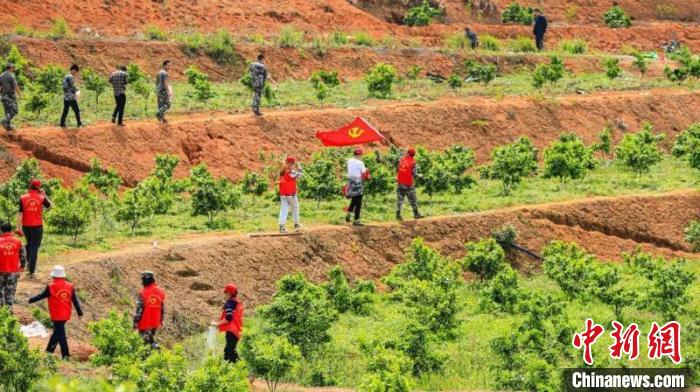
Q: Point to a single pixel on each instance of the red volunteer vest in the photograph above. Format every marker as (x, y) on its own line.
(60, 300)
(288, 184)
(153, 298)
(9, 253)
(405, 174)
(32, 208)
(235, 326)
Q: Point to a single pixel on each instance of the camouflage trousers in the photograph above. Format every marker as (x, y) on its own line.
(257, 93)
(149, 337)
(8, 286)
(163, 103)
(403, 191)
(11, 109)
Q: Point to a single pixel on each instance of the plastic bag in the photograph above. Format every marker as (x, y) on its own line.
(34, 329)
(211, 337)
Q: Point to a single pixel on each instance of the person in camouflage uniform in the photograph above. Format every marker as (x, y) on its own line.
(258, 77)
(9, 92)
(164, 92)
(406, 174)
(12, 262)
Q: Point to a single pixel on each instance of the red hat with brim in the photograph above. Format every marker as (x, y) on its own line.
(358, 151)
(411, 151)
(35, 184)
(291, 159)
(231, 289)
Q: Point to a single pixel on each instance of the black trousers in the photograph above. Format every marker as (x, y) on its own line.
(58, 338)
(539, 41)
(355, 206)
(76, 109)
(34, 235)
(230, 351)
(118, 113)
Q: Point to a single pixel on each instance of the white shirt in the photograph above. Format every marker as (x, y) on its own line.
(356, 168)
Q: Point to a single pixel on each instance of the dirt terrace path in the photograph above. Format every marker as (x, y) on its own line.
(231, 144)
(194, 270)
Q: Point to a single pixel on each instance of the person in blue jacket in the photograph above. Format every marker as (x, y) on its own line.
(539, 29)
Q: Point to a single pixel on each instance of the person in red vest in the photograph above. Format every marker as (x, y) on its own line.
(62, 298)
(12, 261)
(150, 309)
(231, 322)
(407, 172)
(30, 219)
(288, 193)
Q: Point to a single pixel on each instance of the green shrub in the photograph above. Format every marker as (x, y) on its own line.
(24, 31)
(573, 46)
(323, 81)
(511, 163)
(640, 62)
(345, 298)
(457, 42)
(49, 78)
(217, 375)
(254, 184)
(270, 357)
(319, 181)
(134, 207)
(413, 72)
(490, 43)
(570, 267)
(548, 73)
(338, 38)
(15, 57)
(616, 17)
(300, 311)
(290, 37)
(320, 45)
(107, 181)
(220, 46)
(154, 33)
(604, 143)
(434, 176)
(687, 146)
(209, 196)
(515, 13)
(480, 72)
(96, 83)
(421, 15)
(503, 292)
(612, 68)
(484, 258)
(59, 29)
(200, 83)
(387, 371)
(72, 210)
(522, 45)
(162, 370)
(115, 338)
(192, 43)
(380, 80)
(692, 235)
(455, 81)
(568, 158)
(363, 38)
(382, 179)
(20, 367)
(36, 99)
(639, 151)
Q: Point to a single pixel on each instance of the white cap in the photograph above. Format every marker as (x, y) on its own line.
(58, 272)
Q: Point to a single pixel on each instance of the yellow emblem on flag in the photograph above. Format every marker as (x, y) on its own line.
(355, 132)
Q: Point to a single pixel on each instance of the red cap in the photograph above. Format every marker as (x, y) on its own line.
(411, 151)
(291, 159)
(231, 289)
(358, 151)
(35, 183)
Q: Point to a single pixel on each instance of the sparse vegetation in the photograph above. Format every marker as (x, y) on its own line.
(573, 46)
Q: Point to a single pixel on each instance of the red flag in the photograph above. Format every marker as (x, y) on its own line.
(357, 132)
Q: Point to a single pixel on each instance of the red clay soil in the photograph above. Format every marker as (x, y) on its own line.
(230, 144)
(193, 272)
(283, 63)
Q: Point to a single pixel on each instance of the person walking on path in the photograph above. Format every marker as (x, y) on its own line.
(164, 92)
(231, 322)
(13, 258)
(31, 221)
(118, 79)
(288, 193)
(150, 309)
(62, 298)
(357, 174)
(70, 96)
(472, 37)
(539, 29)
(9, 93)
(405, 177)
(258, 78)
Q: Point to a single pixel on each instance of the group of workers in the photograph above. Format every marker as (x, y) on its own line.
(10, 92)
(539, 29)
(61, 294)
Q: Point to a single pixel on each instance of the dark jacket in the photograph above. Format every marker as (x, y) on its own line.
(540, 26)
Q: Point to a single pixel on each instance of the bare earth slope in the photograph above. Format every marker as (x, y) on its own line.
(194, 271)
(229, 144)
